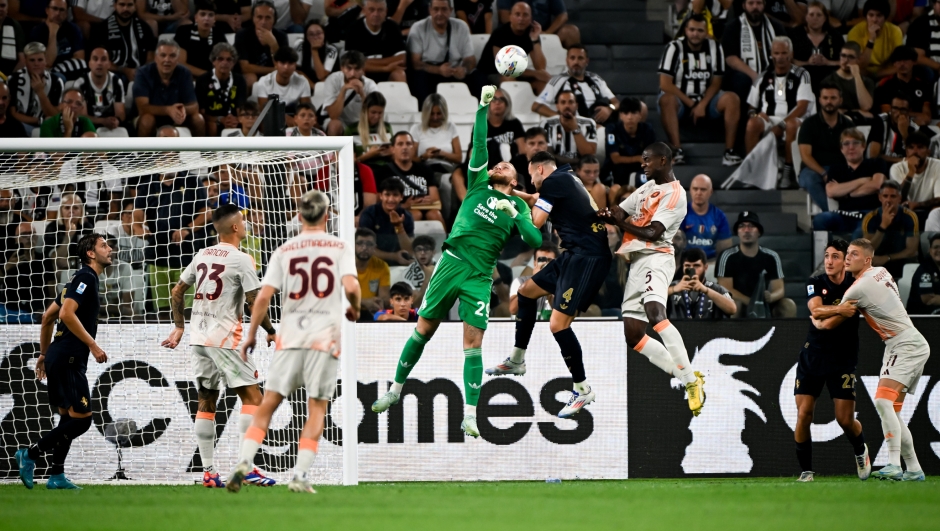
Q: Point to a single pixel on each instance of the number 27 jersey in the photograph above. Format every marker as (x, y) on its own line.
(308, 270)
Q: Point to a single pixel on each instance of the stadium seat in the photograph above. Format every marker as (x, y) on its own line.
(319, 95)
(458, 97)
(445, 189)
(904, 283)
(555, 54)
(35, 132)
(517, 271)
(294, 40)
(169, 36)
(107, 226)
(129, 99)
(522, 97)
(229, 131)
(601, 153)
(398, 97)
(184, 132)
(397, 274)
(433, 229)
(479, 44)
(119, 132)
(230, 38)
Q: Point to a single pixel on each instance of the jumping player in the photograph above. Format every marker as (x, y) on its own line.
(649, 218)
(65, 361)
(829, 358)
(876, 296)
(574, 278)
(487, 218)
(225, 279)
(314, 270)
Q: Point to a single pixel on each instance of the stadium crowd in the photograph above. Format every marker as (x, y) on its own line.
(834, 76)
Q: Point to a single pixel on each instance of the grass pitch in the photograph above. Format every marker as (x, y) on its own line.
(701, 504)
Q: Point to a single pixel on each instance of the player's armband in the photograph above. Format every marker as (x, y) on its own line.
(544, 205)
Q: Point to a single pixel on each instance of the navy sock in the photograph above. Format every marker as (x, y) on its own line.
(804, 454)
(65, 432)
(525, 320)
(571, 352)
(858, 443)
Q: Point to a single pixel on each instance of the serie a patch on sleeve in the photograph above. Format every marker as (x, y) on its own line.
(81, 288)
(810, 290)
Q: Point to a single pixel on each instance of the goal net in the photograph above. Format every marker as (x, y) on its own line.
(153, 199)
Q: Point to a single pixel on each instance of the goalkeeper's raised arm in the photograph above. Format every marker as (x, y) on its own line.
(479, 155)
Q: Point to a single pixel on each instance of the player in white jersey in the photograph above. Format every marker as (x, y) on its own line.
(225, 279)
(314, 270)
(649, 219)
(876, 296)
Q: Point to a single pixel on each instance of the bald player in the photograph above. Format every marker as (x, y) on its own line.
(876, 296)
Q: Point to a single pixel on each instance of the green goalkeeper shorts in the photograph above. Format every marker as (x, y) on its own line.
(455, 279)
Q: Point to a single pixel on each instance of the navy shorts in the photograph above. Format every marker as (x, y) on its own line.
(841, 384)
(68, 385)
(574, 279)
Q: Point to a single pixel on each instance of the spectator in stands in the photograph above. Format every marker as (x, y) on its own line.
(380, 40)
(436, 138)
(374, 275)
(345, 91)
(10, 127)
(905, 11)
(62, 38)
(690, 75)
(342, 15)
(857, 90)
(536, 139)
(371, 134)
(705, 225)
(422, 197)
(923, 36)
(11, 47)
(247, 116)
(258, 41)
(71, 121)
(164, 94)
(695, 297)
(163, 16)
(394, 226)
(419, 271)
(626, 141)
(747, 43)
(402, 305)
(779, 101)
(918, 175)
(131, 236)
(854, 183)
(406, 13)
(220, 91)
(25, 281)
(87, 13)
(543, 255)
(570, 136)
(821, 145)
(754, 274)
(589, 172)
(291, 15)
(10, 220)
(129, 40)
(595, 99)
(291, 87)
(790, 13)
(35, 91)
(877, 38)
(116, 289)
(318, 58)
(890, 130)
(551, 15)
(893, 230)
(103, 91)
(60, 238)
(305, 122)
(925, 286)
(905, 81)
(198, 39)
(523, 32)
(478, 14)
(440, 50)
(816, 45)
(233, 12)
(33, 202)
(504, 134)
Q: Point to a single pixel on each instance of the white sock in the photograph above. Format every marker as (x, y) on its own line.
(244, 422)
(582, 387)
(248, 451)
(469, 410)
(891, 426)
(676, 348)
(517, 356)
(907, 447)
(205, 439)
(396, 388)
(304, 460)
(657, 354)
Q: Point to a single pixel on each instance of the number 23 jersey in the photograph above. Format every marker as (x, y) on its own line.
(308, 270)
(222, 275)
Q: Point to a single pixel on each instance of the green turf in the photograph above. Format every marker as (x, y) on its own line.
(721, 504)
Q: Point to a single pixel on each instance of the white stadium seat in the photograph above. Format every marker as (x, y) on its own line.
(433, 229)
(319, 95)
(555, 54)
(522, 97)
(459, 99)
(230, 38)
(398, 98)
(397, 274)
(119, 132)
(294, 40)
(601, 153)
(479, 44)
(904, 284)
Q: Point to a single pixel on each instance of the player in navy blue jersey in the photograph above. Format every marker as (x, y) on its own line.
(828, 359)
(65, 361)
(574, 278)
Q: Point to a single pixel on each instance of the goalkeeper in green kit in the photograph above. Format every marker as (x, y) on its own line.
(487, 218)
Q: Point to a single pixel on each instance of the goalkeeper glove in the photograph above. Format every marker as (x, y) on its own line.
(506, 206)
(486, 96)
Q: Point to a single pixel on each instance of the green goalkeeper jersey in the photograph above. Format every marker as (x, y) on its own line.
(480, 231)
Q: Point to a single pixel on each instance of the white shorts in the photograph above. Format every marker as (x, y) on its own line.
(650, 276)
(214, 366)
(905, 357)
(314, 370)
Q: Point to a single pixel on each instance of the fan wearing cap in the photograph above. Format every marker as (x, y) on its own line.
(744, 268)
(905, 81)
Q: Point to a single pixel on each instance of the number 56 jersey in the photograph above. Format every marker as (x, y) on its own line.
(222, 275)
(308, 270)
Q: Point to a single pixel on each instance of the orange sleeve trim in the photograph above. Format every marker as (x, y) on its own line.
(255, 434)
(674, 199)
(205, 415)
(898, 406)
(639, 346)
(662, 325)
(887, 393)
(308, 444)
(249, 410)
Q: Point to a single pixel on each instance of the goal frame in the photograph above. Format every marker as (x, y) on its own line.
(343, 145)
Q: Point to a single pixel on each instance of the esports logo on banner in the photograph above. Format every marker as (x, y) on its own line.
(746, 426)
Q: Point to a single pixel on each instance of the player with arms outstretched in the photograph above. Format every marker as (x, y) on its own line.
(574, 278)
(829, 358)
(487, 218)
(876, 296)
(225, 278)
(649, 219)
(315, 271)
(65, 361)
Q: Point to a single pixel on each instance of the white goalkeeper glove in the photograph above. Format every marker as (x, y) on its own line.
(506, 206)
(486, 96)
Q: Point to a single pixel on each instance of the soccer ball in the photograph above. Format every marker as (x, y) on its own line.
(511, 61)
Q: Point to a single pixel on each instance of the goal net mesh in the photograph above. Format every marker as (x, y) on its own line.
(155, 208)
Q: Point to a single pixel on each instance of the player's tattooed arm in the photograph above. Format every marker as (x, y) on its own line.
(250, 303)
(178, 304)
